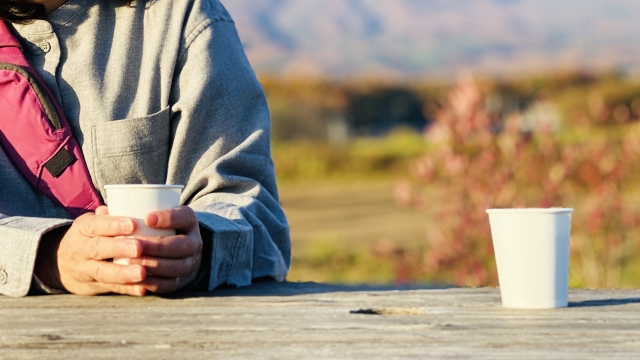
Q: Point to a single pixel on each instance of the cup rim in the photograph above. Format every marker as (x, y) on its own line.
(531, 210)
(142, 186)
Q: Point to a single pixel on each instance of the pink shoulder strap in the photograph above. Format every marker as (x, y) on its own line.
(6, 37)
(30, 115)
(10, 48)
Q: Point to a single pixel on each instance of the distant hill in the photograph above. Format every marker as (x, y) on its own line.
(410, 39)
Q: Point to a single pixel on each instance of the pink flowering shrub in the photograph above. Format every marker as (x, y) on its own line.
(477, 161)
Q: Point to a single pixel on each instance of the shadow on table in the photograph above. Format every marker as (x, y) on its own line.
(301, 288)
(604, 302)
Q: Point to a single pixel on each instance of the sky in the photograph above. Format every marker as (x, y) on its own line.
(410, 39)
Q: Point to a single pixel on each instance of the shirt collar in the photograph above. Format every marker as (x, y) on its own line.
(67, 12)
(58, 18)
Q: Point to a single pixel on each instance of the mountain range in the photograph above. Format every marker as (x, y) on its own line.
(416, 39)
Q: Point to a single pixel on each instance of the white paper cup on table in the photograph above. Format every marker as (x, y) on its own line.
(532, 254)
(137, 201)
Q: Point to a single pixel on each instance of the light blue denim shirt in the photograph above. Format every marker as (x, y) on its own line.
(156, 92)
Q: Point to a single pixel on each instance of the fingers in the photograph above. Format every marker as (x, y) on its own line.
(178, 246)
(90, 289)
(167, 284)
(124, 289)
(98, 277)
(164, 267)
(108, 273)
(161, 285)
(102, 247)
(95, 237)
(102, 288)
(92, 239)
(102, 210)
(91, 225)
(182, 219)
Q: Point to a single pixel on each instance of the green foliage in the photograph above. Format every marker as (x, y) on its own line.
(306, 160)
(584, 156)
(332, 260)
(476, 167)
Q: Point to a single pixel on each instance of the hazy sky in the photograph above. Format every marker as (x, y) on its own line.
(437, 38)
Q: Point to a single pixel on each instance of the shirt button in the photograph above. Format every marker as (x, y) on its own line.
(45, 46)
(3, 276)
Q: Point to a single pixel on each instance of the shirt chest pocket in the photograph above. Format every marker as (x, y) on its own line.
(131, 151)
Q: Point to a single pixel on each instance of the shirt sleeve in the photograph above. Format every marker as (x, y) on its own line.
(221, 153)
(19, 239)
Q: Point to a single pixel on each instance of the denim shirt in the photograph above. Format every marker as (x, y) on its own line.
(155, 92)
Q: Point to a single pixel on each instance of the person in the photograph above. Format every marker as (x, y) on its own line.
(156, 91)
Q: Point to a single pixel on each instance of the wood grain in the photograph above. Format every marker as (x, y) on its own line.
(309, 320)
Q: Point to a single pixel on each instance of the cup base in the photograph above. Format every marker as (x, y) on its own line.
(557, 305)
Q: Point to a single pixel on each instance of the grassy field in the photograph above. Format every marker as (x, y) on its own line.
(346, 223)
(570, 143)
(341, 231)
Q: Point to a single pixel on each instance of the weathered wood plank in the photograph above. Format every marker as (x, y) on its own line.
(306, 320)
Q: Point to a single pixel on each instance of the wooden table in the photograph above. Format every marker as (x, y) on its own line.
(308, 320)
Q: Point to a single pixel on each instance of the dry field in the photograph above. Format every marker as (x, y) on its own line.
(332, 220)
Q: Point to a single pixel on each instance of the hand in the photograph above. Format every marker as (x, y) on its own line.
(75, 259)
(175, 260)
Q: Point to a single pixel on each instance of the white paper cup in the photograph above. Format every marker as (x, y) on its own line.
(137, 201)
(532, 254)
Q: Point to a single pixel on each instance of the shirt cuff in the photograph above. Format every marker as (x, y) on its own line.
(201, 283)
(40, 288)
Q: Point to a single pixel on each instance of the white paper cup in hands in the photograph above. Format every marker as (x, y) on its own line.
(137, 201)
(532, 254)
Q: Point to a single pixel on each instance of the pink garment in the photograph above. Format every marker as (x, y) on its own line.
(35, 134)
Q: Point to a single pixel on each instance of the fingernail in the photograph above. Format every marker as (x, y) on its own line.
(135, 275)
(132, 249)
(126, 226)
(152, 220)
(136, 261)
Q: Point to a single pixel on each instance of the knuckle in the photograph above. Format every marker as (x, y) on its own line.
(183, 215)
(99, 274)
(120, 289)
(176, 215)
(188, 248)
(187, 264)
(122, 248)
(87, 224)
(198, 246)
(167, 286)
(191, 215)
(84, 217)
(121, 274)
(191, 242)
(171, 244)
(184, 244)
(95, 247)
(119, 225)
(173, 285)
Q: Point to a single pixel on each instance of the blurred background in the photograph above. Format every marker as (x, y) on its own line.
(395, 124)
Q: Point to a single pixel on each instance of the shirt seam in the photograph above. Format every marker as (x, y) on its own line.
(55, 25)
(234, 257)
(199, 29)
